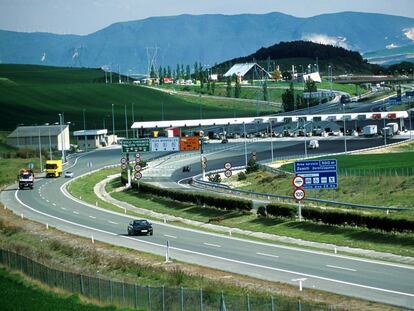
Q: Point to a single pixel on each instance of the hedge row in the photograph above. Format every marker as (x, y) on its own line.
(341, 218)
(373, 221)
(281, 210)
(227, 203)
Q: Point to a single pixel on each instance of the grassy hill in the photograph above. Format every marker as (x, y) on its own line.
(32, 94)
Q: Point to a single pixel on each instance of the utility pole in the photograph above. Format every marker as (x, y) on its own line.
(245, 144)
(50, 145)
(40, 153)
(61, 133)
(126, 122)
(84, 131)
(113, 121)
(343, 106)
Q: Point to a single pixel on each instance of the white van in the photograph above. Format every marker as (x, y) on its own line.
(314, 144)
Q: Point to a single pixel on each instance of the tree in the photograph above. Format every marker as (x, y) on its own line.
(188, 72)
(208, 86)
(213, 87)
(288, 99)
(310, 86)
(169, 72)
(252, 166)
(196, 70)
(161, 75)
(237, 89)
(214, 178)
(287, 75)
(277, 75)
(152, 72)
(178, 72)
(228, 87)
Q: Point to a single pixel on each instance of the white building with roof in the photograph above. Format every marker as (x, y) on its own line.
(248, 71)
(91, 139)
(44, 137)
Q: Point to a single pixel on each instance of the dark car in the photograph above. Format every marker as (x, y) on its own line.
(187, 168)
(140, 226)
(225, 141)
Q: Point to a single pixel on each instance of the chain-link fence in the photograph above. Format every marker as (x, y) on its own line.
(125, 294)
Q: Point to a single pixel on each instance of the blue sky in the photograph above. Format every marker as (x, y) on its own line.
(87, 16)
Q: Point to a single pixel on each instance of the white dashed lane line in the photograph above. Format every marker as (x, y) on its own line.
(54, 204)
(170, 236)
(214, 245)
(75, 212)
(112, 222)
(267, 255)
(341, 268)
(64, 208)
(93, 217)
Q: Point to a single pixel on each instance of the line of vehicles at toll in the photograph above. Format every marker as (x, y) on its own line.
(390, 129)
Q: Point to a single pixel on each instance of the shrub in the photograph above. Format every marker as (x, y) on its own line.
(241, 176)
(281, 210)
(252, 166)
(261, 211)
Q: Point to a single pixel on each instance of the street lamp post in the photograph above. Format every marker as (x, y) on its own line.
(330, 76)
(245, 144)
(63, 135)
(113, 121)
(271, 139)
(343, 106)
(126, 122)
(84, 131)
(40, 153)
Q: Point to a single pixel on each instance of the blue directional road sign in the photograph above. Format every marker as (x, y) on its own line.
(318, 174)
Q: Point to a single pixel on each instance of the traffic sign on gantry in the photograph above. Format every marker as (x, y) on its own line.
(135, 145)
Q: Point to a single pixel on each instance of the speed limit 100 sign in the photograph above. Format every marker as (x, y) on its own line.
(299, 194)
(298, 181)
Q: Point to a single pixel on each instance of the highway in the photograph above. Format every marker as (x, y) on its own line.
(368, 279)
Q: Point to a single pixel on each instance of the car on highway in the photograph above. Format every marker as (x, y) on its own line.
(68, 174)
(224, 141)
(186, 168)
(140, 226)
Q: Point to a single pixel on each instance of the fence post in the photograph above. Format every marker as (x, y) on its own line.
(149, 297)
(201, 300)
(181, 299)
(272, 303)
(135, 296)
(248, 302)
(111, 291)
(99, 289)
(81, 283)
(163, 298)
(123, 293)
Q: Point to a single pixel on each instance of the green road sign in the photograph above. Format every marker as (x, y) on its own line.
(135, 145)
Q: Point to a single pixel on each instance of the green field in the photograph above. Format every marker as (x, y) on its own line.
(18, 294)
(37, 94)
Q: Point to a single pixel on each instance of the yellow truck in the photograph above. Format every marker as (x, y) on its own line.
(53, 168)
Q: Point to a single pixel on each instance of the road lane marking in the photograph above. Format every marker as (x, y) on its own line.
(267, 255)
(214, 245)
(93, 217)
(54, 204)
(212, 256)
(342, 268)
(47, 201)
(112, 222)
(170, 236)
(75, 212)
(63, 208)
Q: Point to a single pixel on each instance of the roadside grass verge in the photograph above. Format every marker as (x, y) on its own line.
(18, 293)
(9, 169)
(400, 244)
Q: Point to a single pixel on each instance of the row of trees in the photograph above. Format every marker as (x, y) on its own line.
(180, 72)
(292, 101)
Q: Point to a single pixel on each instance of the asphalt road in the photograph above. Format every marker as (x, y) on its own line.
(368, 279)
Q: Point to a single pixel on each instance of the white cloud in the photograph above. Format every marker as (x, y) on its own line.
(391, 46)
(409, 33)
(324, 39)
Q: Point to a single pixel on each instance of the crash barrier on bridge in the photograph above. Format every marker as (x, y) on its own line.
(197, 198)
(386, 223)
(128, 295)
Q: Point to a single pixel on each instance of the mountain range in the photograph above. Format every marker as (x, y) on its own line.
(209, 39)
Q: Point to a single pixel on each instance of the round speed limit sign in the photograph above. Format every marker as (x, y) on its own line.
(227, 165)
(299, 194)
(124, 166)
(227, 173)
(298, 181)
(138, 175)
(137, 167)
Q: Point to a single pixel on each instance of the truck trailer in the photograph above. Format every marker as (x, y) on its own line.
(370, 130)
